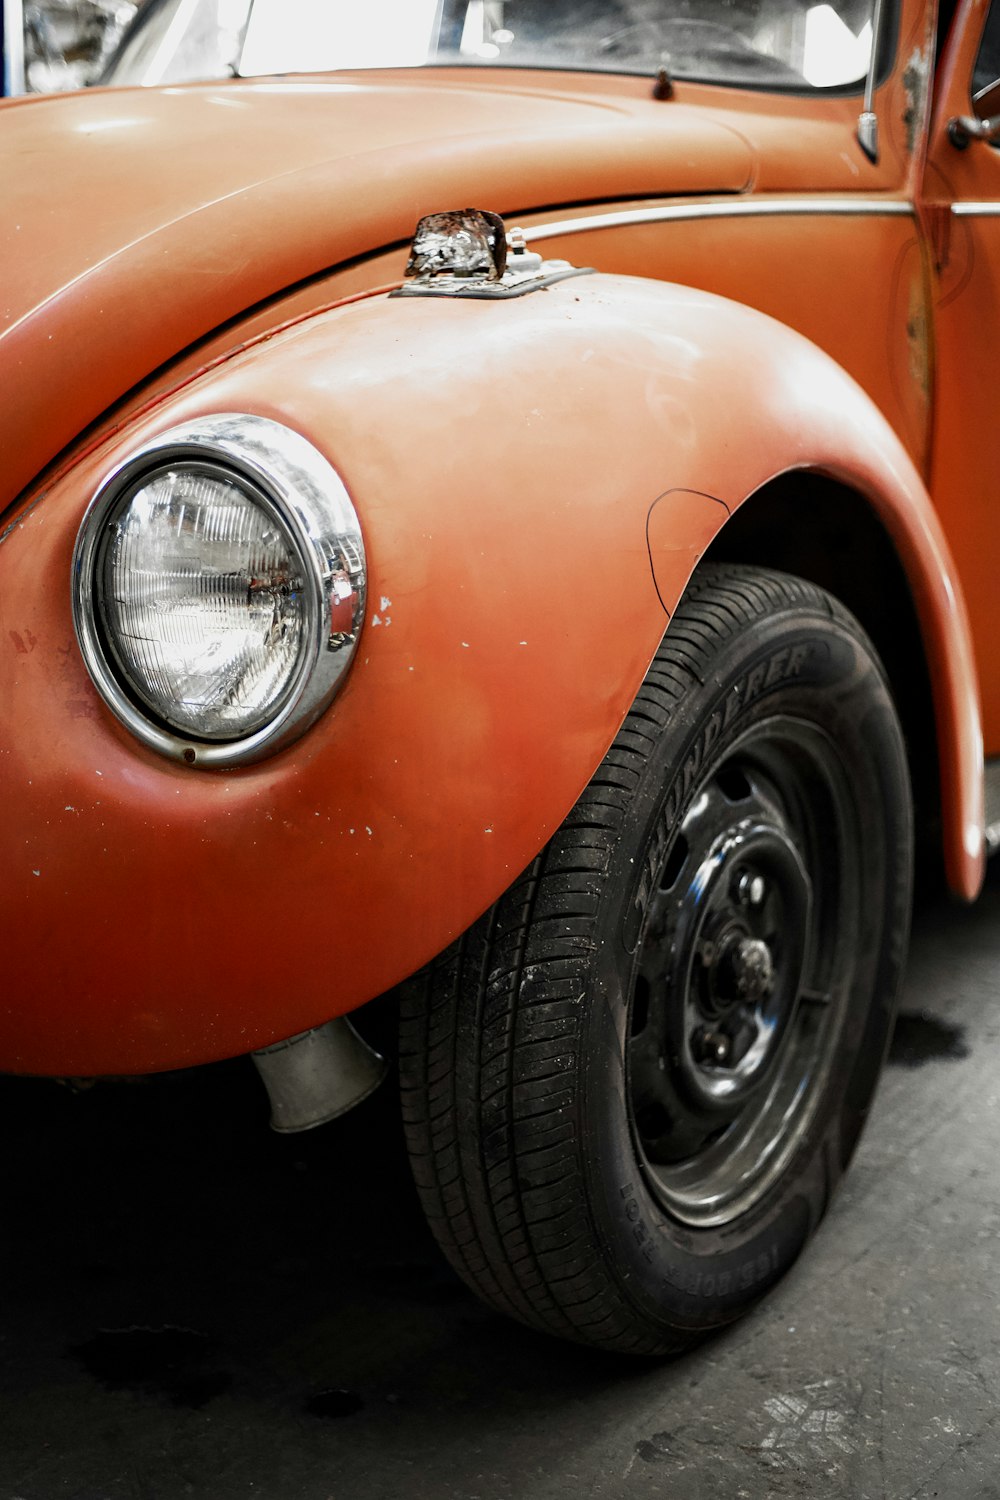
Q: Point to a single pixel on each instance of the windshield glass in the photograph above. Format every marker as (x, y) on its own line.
(765, 43)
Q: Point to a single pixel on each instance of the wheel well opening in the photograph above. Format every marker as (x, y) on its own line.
(824, 531)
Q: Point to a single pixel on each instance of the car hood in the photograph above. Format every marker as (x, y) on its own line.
(136, 222)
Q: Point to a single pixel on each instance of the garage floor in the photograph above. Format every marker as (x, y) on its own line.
(193, 1307)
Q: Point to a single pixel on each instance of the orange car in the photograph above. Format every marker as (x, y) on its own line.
(564, 620)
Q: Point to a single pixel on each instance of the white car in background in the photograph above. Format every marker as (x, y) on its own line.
(52, 45)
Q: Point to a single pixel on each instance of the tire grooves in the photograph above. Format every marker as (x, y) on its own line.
(486, 1208)
(529, 1307)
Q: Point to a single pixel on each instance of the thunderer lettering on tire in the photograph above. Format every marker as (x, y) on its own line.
(630, 1088)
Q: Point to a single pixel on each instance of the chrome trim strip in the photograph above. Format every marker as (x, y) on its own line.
(724, 209)
(976, 210)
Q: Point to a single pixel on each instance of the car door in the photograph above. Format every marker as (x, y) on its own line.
(961, 205)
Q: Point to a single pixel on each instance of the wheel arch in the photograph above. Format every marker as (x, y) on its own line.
(829, 532)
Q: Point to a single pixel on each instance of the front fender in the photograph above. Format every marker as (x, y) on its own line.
(513, 466)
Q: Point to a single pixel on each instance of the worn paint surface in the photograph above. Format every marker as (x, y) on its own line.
(404, 790)
(479, 445)
(916, 82)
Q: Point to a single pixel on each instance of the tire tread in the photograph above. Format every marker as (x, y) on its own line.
(490, 1030)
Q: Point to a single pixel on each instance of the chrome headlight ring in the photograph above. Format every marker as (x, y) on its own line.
(260, 476)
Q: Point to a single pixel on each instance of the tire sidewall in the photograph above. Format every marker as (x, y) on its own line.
(803, 665)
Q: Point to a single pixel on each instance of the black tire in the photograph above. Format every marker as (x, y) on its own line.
(628, 1092)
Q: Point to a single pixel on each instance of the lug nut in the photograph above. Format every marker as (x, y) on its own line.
(750, 889)
(711, 1047)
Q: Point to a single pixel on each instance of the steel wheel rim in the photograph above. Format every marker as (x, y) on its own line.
(739, 980)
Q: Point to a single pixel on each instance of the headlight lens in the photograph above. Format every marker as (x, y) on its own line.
(219, 588)
(204, 602)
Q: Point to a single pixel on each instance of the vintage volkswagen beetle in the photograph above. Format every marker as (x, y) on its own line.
(556, 647)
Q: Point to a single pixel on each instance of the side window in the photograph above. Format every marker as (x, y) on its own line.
(986, 77)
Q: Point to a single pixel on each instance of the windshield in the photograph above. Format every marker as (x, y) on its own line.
(767, 43)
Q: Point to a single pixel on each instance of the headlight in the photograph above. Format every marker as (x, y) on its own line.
(219, 588)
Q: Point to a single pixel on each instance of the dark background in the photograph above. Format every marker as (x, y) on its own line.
(193, 1306)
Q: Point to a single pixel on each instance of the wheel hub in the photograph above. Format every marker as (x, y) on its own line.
(737, 953)
(725, 953)
(744, 971)
(737, 977)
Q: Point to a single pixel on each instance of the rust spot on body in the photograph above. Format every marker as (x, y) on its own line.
(918, 337)
(915, 81)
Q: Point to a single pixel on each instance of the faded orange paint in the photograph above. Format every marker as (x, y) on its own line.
(474, 439)
(467, 728)
(965, 474)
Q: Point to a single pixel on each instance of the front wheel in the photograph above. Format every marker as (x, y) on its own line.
(631, 1087)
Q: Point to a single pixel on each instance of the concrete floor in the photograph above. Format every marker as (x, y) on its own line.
(193, 1307)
